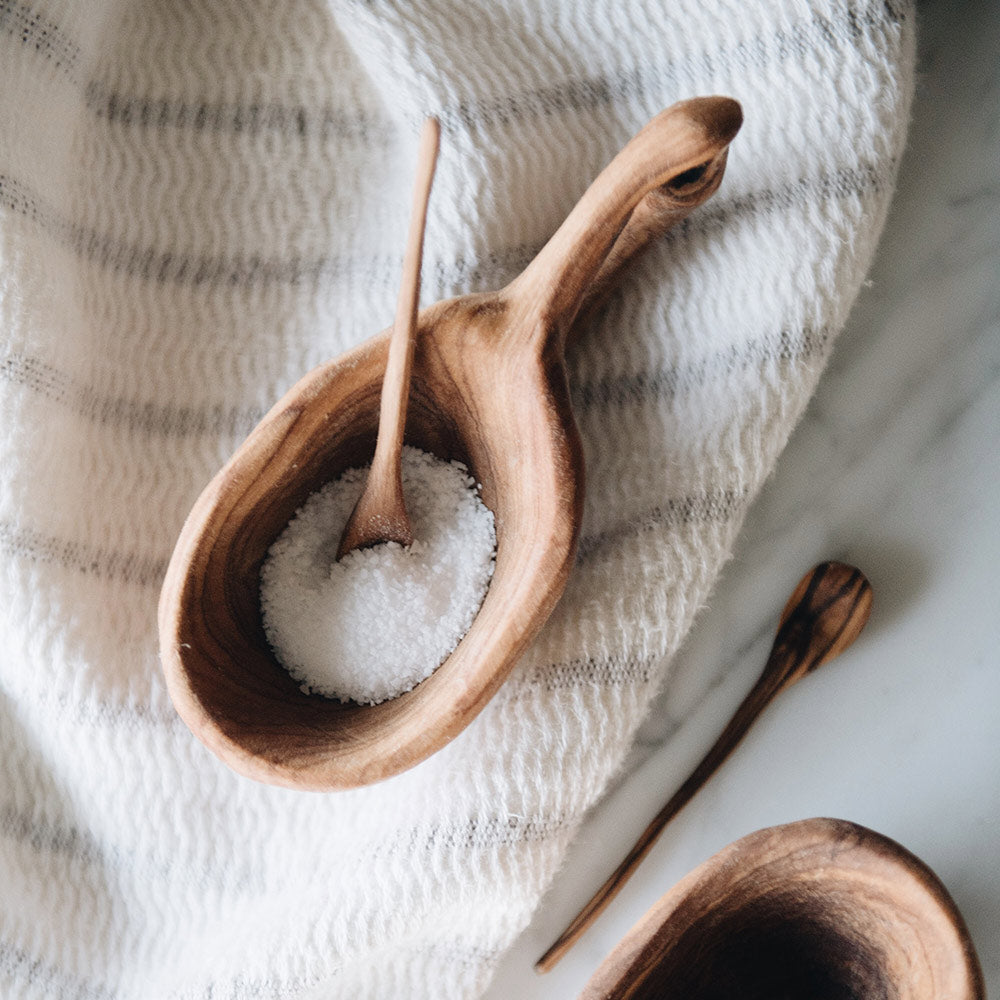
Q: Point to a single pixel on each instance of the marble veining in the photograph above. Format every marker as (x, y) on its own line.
(896, 468)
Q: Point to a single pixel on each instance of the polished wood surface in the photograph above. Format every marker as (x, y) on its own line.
(488, 387)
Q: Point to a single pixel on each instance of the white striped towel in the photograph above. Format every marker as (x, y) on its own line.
(200, 201)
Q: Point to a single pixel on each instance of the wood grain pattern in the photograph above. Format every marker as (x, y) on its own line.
(821, 909)
(489, 388)
(825, 614)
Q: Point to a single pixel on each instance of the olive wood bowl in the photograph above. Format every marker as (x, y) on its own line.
(821, 909)
(488, 388)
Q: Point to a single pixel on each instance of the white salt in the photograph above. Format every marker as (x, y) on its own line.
(379, 621)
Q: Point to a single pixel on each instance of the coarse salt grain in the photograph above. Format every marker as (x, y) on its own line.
(382, 619)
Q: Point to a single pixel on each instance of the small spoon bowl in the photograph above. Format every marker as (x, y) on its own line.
(489, 389)
(821, 909)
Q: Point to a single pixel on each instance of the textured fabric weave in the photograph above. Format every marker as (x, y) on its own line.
(201, 200)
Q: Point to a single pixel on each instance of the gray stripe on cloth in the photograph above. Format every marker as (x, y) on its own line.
(46, 837)
(166, 266)
(20, 542)
(145, 417)
(629, 388)
(713, 506)
(169, 420)
(614, 671)
(23, 969)
(247, 270)
(484, 832)
(39, 32)
(798, 39)
(254, 118)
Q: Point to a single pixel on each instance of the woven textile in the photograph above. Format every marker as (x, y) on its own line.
(200, 200)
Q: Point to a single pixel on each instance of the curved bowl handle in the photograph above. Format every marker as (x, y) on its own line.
(662, 209)
(672, 165)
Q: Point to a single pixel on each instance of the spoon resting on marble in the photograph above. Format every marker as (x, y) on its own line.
(380, 513)
(824, 615)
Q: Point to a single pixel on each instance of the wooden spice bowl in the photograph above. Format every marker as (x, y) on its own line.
(821, 909)
(489, 388)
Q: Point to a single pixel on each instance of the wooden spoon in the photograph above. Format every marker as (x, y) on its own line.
(824, 615)
(488, 388)
(380, 513)
(821, 909)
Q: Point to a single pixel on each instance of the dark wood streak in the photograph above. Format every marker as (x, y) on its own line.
(835, 595)
(824, 615)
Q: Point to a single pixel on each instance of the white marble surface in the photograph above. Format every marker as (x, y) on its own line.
(895, 468)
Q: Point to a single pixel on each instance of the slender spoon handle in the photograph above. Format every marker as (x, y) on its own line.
(380, 514)
(832, 590)
(392, 411)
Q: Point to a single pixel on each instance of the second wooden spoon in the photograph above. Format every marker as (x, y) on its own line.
(824, 615)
